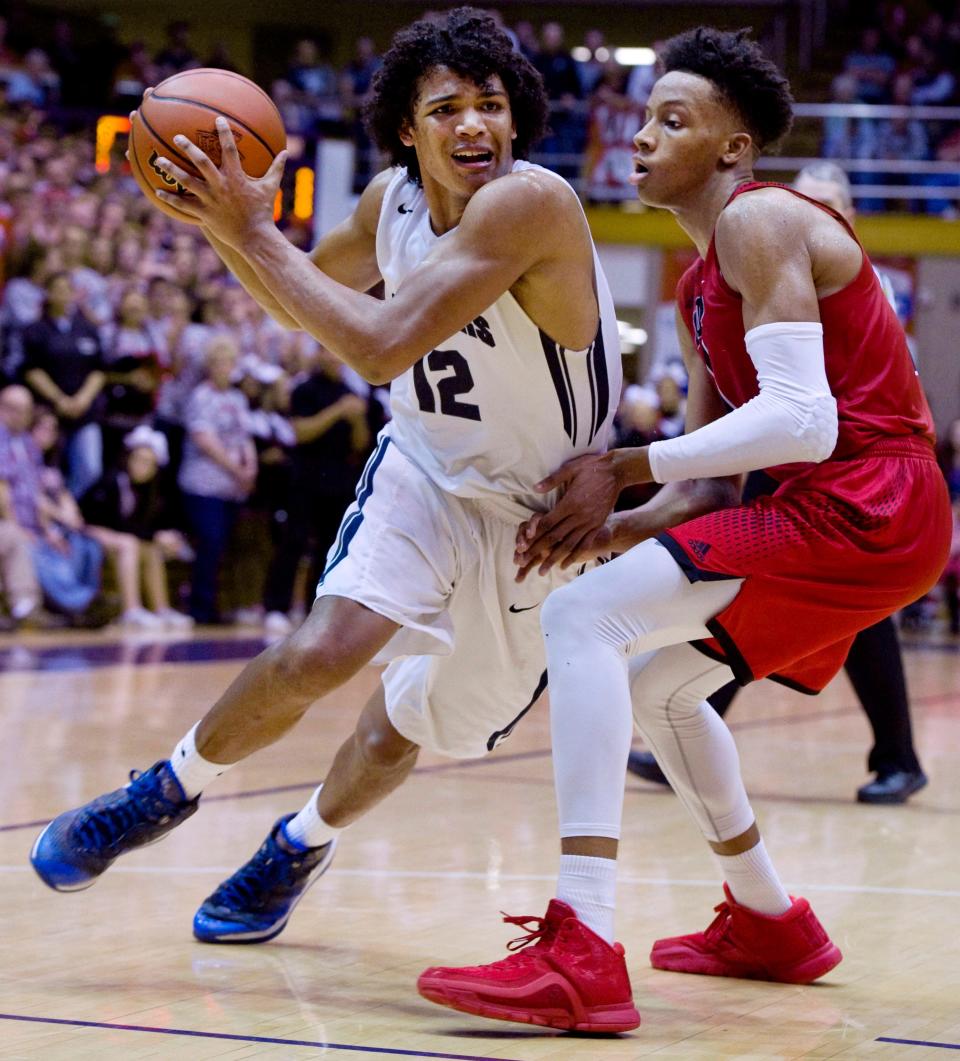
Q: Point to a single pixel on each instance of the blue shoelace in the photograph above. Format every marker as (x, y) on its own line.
(143, 800)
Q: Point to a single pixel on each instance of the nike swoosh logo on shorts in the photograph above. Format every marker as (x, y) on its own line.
(404, 209)
(516, 610)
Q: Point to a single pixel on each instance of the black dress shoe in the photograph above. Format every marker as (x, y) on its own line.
(644, 765)
(892, 788)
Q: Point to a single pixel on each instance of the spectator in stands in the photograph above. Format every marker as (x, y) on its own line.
(590, 59)
(178, 54)
(66, 561)
(900, 139)
(333, 436)
(18, 579)
(315, 84)
(934, 84)
(126, 514)
(527, 42)
(872, 66)
(845, 137)
(951, 575)
(218, 470)
(355, 82)
(63, 364)
(135, 72)
(567, 124)
(9, 59)
(613, 121)
(35, 84)
(133, 357)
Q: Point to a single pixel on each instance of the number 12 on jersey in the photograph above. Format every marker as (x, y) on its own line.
(450, 386)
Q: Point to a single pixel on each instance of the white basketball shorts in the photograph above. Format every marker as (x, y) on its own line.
(469, 661)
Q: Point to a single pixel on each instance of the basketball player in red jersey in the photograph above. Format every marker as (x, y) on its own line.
(797, 366)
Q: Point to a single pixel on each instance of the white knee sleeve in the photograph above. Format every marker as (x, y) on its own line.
(640, 601)
(691, 742)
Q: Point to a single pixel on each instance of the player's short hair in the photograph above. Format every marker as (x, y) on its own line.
(743, 76)
(825, 170)
(470, 43)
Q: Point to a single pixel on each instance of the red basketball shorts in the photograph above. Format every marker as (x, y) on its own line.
(836, 549)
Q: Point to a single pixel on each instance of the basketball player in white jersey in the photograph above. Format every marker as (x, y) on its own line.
(499, 338)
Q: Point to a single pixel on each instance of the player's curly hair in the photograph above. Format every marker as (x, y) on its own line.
(742, 74)
(471, 44)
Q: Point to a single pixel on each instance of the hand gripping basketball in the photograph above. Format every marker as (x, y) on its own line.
(188, 103)
(224, 200)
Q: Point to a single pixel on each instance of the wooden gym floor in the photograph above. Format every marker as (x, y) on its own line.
(113, 972)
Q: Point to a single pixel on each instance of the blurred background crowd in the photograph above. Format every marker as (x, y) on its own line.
(170, 455)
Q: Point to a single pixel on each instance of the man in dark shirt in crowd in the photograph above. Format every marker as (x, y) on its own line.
(63, 365)
(334, 431)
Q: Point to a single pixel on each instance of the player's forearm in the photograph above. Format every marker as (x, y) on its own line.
(251, 282)
(674, 504)
(351, 325)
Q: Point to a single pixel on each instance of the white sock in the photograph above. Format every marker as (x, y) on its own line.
(191, 769)
(308, 829)
(589, 885)
(754, 882)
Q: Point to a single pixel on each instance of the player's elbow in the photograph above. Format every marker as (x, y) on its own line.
(817, 437)
(382, 363)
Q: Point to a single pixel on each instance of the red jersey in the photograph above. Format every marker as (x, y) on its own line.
(840, 544)
(869, 368)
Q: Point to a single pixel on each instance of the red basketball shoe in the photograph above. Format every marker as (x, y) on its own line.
(792, 948)
(568, 977)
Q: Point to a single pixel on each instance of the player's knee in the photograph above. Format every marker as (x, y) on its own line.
(305, 670)
(382, 747)
(563, 612)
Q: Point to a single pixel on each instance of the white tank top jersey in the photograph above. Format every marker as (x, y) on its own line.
(498, 406)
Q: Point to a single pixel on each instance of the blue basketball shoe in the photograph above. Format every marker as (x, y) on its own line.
(255, 904)
(76, 847)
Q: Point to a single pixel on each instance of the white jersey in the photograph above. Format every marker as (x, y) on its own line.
(498, 406)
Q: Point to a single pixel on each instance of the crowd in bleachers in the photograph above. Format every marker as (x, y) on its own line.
(903, 60)
(146, 401)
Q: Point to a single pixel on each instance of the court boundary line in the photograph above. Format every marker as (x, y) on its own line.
(229, 1036)
(917, 1042)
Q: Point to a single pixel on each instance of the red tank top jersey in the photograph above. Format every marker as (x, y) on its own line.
(841, 544)
(869, 368)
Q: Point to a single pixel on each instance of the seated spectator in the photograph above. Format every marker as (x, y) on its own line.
(18, 579)
(218, 470)
(63, 364)
(125, 513)
(66, 561)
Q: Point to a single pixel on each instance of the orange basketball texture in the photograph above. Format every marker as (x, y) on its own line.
(189, 103)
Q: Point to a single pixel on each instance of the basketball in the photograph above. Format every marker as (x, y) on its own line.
(189, 103)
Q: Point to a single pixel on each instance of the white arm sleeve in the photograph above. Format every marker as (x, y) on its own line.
(793, 418)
